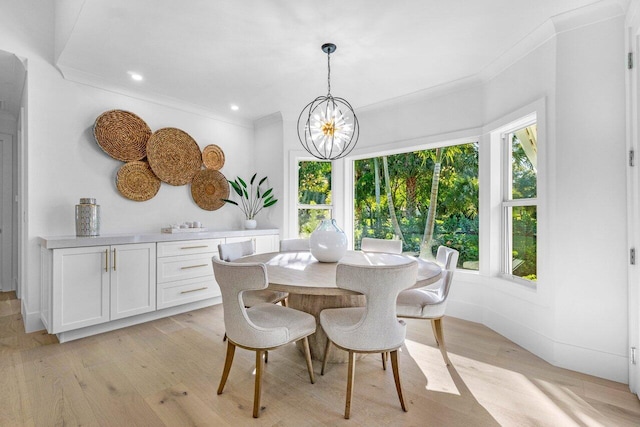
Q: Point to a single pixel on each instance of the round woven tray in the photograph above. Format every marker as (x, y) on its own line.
(136, 181)
(173, 156)
(122, 135)
(213, 157)
(208, 188)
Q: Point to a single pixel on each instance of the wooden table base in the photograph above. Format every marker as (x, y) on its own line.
(314, 304)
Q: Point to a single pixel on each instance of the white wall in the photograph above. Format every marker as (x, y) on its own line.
(65, 163)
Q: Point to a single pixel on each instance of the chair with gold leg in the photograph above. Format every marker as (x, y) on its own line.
(373, 328)
(261, 327)
(430, 302)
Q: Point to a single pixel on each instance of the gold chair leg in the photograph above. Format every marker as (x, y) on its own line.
(396, 377)
(284, 303)
(384, 360)
(258, 387)
(231, 349)
(350, 379)
(436, 324)
(307, 356)
(326, 355)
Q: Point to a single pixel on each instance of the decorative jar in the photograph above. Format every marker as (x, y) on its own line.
(87, 218)
(328, 242)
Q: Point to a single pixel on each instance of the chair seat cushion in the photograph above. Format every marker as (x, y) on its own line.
(261, 296)
(337, 323)
(299, 323)
(420, 303)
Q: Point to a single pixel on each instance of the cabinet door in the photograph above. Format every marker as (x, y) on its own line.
(133, 279)
(80, 291)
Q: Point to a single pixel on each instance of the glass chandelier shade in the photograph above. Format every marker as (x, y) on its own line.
(328, 127)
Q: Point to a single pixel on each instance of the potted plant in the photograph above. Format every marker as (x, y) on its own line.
(252, 198)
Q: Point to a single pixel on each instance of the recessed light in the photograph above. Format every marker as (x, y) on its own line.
(135, 76)
(235, 107)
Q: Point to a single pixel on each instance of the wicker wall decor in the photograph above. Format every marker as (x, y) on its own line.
(173, 156)
(122, 135)
(136, 181)
(208, 188)
(213, 157)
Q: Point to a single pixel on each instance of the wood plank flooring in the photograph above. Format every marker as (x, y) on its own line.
(166, 372)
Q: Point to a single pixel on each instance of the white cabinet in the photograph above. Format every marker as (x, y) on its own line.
(262, 244)
(92, 285)
(185, 271)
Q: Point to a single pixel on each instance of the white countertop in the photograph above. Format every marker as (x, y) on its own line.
(57, 242)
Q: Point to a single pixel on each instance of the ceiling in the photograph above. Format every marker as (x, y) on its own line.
(265, 56)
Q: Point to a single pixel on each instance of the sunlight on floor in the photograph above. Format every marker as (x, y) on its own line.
(513, 391)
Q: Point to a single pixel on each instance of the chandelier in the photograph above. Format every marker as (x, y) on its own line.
(328, 127)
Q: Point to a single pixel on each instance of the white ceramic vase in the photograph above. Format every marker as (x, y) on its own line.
(328, 242)
(250, 224)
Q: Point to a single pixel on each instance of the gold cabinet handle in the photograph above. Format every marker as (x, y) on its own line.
(194, 290)
(194, 266)
(106, 260)
(114, 259)
(194, 247)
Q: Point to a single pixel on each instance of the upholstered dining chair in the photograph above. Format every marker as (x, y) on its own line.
(373, 328)
(261, 327)
(231, 252)
(294, 245)
(430, 302)
(369, 244)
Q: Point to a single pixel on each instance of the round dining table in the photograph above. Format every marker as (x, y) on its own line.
(312, 285)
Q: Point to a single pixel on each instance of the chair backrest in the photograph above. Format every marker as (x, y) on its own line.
(232, 251)
(369, 244)
(234, 279)
(447, 257)
(379, 328)
(443, 286)
(294, 245)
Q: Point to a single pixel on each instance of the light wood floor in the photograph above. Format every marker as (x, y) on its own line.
(165, 373)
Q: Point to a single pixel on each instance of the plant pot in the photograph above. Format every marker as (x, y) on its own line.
(250, 224)
(328, 242)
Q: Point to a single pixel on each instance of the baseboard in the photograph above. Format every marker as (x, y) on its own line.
(588, 361)
(135, 320)
(32, 321)
(593, 362)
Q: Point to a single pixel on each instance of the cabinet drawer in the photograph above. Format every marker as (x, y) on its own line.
(184, 267)
(188, 247)
(185, 291)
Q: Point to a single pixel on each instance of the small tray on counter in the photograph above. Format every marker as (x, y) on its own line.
(170, 230)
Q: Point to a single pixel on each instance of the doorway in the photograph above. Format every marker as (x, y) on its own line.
(7, 251)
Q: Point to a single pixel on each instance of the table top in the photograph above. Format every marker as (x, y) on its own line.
(301, 273)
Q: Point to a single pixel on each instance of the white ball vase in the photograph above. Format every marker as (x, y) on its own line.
(250, 224)
(328, 242)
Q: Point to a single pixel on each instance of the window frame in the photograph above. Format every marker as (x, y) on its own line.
(294, 229)
(507, 202)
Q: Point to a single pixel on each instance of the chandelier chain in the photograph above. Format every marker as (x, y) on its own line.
(329, 72)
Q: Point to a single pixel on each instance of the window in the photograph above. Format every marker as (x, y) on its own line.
(425, 198)
(520, 206)
(314, 195)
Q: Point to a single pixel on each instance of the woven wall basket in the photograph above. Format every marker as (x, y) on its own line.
(173, 156)
(213, 157)
(122, 135)
(136, 181)
(208, 188)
